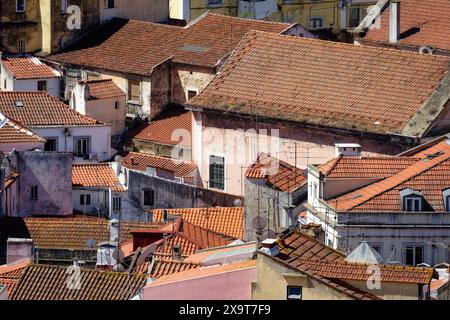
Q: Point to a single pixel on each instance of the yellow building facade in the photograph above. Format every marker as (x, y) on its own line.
(225, 7)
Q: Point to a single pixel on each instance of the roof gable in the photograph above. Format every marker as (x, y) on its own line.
(28, 67)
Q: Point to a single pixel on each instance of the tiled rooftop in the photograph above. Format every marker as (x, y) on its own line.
(12, 132)
(430, 175)
(163, 268)
(37, 108)
(44, 282)
(141, 161)
(98, 175)
(28, 67)
(276, 173)
(224, 220)
(103, 89)
(172, 127)
(10, 273)
(325, 83)
(422, 23)
(145, 45)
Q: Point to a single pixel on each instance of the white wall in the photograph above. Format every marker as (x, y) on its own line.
(21, 146)
(98, 198)
(53, 85)
(5, 75)
(100, 137)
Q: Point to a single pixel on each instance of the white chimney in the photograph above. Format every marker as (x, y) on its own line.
(114, 230)
(270, 247)
(347, 149)
(394, 22)
(18, 249)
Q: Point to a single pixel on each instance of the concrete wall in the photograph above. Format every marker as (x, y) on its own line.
(21, 146)
(234, 285)
(272, 285)
(390, 290)
(52, 173)
(145, 10)
(186, 78)
(179, 9)
(172, 194)
(160, 89)
(157, 149)
(99, 201)
(100, 137)
(199, 7)
(240, 139)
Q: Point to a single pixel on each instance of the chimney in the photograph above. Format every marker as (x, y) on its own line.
(394, 22)
(114, 230)
(18, 249)
(132, 161)
(347, 149)
(269, 246)
(107, 254)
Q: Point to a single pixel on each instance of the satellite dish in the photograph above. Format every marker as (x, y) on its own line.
(118, 159)
(237, 202)
(146, 253)
(118, 255)
(259, 223)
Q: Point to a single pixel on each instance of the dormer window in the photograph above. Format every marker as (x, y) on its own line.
(412, 201)
(446, 197)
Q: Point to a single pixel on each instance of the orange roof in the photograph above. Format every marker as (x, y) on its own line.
(172, 127)
(140, 161)
(99, 175)
(103, 89)
(204, 272)
(430, 175)
(325, 83)
(388, 273)
(28, 67)
(422, 23)
(43, 282)
(10, 273)
(365, 167)
(12, 132)
(225, 220)
(145, 45)
(37, 108)
(277, 173)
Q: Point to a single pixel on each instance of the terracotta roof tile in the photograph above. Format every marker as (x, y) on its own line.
(324, 83)
(12, 132)
(422, 23)
(172, 127)
(141, 161)
(103, 89)
(40, 109)
(225, 220)
(99, 175)
(163, 268)
(10, 273)
(145, 45)
(43, 282)
(28, 67)
(429, 174)
(277, 173)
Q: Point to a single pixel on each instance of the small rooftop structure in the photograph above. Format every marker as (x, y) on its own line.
(364, 254)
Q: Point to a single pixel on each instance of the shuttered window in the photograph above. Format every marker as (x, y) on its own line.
(134, 90)
(217, 172)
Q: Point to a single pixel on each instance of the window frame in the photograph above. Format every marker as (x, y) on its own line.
(416, 203)
(289, 287)
(117, 105)
(64, 6)
(34, 192)
(116, 203)
(19, 47)
(129, 86)
(24, 6)
(85, 199)
(188, 93)
(414, 247)
(47, 140)
(214, 3)
(75, 146)
(40, 82)
(152, 197)
(311, 19)
(212, 176)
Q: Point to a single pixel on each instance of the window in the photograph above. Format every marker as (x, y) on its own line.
(51, 144)
(4, 84)
(294, 293)
(20, 5)
(215, 2)
(354, 17)
(20, 46)
(117, 204)
(81, 147)
(191, 94)
(446, 197)
(34, 193)
(85, 199)
(109, 4)
(63, 6)
(315, 23)
(217, 172)
(116, 105)
(413, 255)
(314, 191)
(412, 204)
(149, 197)
(42, 85)
(134, 90)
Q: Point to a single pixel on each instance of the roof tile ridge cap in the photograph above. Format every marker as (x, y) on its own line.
(333, 165)
(388, 179)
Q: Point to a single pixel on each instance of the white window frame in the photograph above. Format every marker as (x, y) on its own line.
(316, 18)
(294, 297)
(413, 202)
(224, 171)
(414, 245)
(24, 6)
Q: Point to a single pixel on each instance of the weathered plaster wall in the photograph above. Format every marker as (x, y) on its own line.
(145, 10)
(390, 290)
(186, 78)
(52, 173)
